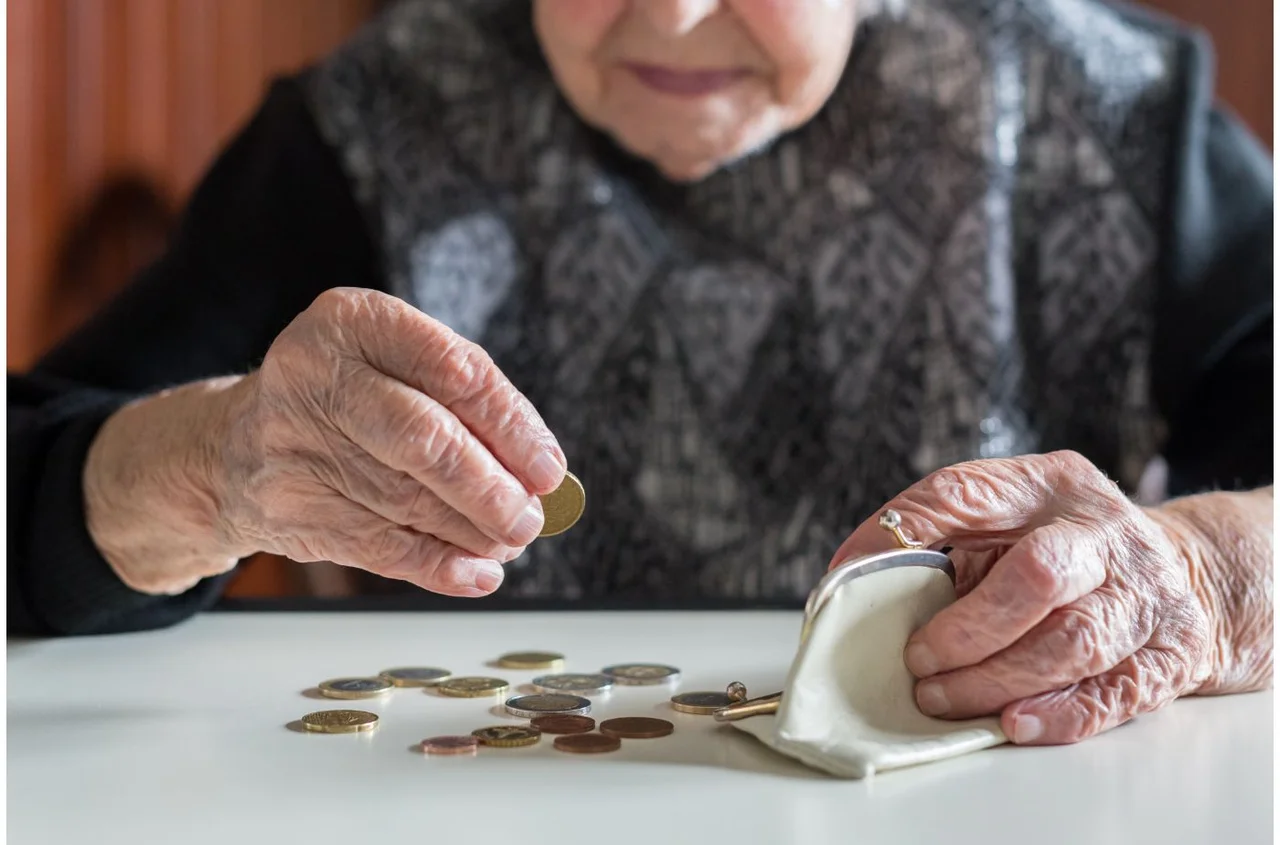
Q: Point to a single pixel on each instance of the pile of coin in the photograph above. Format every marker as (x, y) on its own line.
(559, 706)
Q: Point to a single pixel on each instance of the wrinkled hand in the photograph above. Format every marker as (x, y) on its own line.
(1076, 610)
(373, 436)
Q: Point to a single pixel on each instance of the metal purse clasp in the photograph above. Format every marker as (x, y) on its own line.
(910, 553)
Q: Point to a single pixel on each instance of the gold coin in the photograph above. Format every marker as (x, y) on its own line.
(562, 506)
(340, 721)
(507, 736)
(355, 687)
(700, 703)
(472, 687)
(531, 660)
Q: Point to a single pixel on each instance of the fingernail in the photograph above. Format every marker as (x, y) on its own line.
(920, 660)
(488, 576)
(529, 525)
(545, 471)
(1027, 729)
(932, 700)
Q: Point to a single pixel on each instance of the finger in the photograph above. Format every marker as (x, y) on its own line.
(1142, 682)
(410, 346)
(399, 498)
(1080, 641)
(409, 431)
(1051, 567)
(981, 504)
(345, 533)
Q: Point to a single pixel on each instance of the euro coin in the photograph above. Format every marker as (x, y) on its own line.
(450, 745)
(507, 736)
(355, 687)
(700, 703)
(587, 743)
(531, 660)
(340, 721)
(528, 706)
(636, 727)
(642, 674)
(563, 724)
(573, 684)
(472, 687)
(562, 507)
(415, 676)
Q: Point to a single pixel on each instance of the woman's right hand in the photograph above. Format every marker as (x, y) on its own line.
(373, 436)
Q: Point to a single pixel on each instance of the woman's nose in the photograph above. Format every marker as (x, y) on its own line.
(676, 17)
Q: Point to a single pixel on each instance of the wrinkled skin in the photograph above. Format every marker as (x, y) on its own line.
(1076, 608)
(373, 436)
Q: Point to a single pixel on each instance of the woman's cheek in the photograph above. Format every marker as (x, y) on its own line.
(579, 24)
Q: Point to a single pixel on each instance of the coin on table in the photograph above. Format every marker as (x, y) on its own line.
(636, 727)
(562, 507)
(563, 724)
(531, 660)
(450, 745)
(700, 703)
(415, 676)
(355, 687)
(340, 721)
(587, 743)
(507, 736)
(575, 684)
(472, 687)
(642, 674)
(528, 706)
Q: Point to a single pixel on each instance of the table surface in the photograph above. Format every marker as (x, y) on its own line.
(185, 735)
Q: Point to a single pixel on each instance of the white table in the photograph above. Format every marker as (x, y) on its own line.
(181, 736)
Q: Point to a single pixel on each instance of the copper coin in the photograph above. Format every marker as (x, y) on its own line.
(563, 724)
(450, 745)
(587, 743)
(636, 727)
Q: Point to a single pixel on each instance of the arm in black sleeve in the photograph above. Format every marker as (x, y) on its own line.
(272, 225)
(1212, 359)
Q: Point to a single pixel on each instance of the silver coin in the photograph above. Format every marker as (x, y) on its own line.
(642, 674)
(577, 684)
(544, 704)
(355, 687)
(415, 676)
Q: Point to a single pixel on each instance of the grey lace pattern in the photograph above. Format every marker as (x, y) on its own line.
(954, 259)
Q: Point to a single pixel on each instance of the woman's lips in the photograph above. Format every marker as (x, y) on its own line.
(685, 83)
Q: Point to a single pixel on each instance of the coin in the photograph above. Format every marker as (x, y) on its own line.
(450, 745)
(587, 743)
(415, 676)
(577, 684)
(636, 727)
(507, 736)
(340, 721)
(700, 703)
(531, 660)
(355, 687)
(736, 691)
(562, 507)
(472, 687)
(642, 674)
(563, 724)
(528, 706)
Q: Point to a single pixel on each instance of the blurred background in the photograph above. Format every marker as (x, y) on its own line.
(116, 107)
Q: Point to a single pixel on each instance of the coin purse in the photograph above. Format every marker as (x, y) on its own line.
(848, 707)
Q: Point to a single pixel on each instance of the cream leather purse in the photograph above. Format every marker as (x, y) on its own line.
(849, 705)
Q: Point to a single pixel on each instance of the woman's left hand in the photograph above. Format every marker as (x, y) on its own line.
(1077, 609)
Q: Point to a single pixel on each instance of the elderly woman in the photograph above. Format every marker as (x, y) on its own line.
(753, 269)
